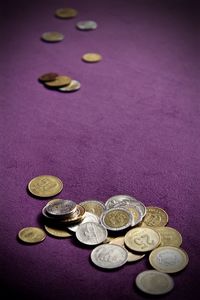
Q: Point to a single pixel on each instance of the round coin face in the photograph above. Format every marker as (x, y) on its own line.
(61, 207)
(109, 256)
(93, 206)
(45, 186)
(91, 233)
(91, 57)
(59, 81)
(116, 219)
(142, 239)
(88, 217)
(57, 232)
(169, 236)
(31, 235)
(155, 217)
(86, 25)
(168, 259)
(154, 283)
(66, 13)
(48, 77)
(73, 86)
(119, 200)
(52, 36)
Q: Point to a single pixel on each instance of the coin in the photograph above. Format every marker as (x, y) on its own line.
(142, 239)
(109, 256)
(154, 283)
(48, 77)
(119, 200)
(91, 233)
(60, 208)
(57, 232)
(136, 212)
(52, 36)
(60, 81)
(88, 217)
(169, 236)
(74, 85)
(31, 235)
(66, 13)
(45, 186)
(94, 206)
(155, 217)
(116, 219)
(77, 216)
(91, 57)
(86, 25)
(168, 259)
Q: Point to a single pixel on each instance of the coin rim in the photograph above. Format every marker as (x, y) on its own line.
(114, 228)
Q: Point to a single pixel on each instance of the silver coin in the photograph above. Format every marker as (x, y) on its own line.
(91, 233)
(94, 206)
(119, 200)
(154, 283)
(61, 208)
(136, 212)
(73, 86)
(109, 256)
(116, 219)
(89, 217)
(86, 25)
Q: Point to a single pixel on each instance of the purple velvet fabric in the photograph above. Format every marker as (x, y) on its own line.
(132, 128)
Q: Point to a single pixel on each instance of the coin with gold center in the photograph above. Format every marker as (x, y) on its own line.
(91, 57)
(169, 236)
(45, 186)
(155, 217)
(116, 219)
(31, 235)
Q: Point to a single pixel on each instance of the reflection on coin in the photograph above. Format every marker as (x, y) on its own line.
(137, 214)
(91, 57)
(155, 217)
(86, 25)
(66, 13)
(52, 36)
(88, 217)
(48, 77)
(142, 239)
(57, 232)
(119, 200)
(60, 81)
(61, 207)
(169, 236)
(116, 219)
(74, 85)
(154, 283)
(31, 235)
(94, 206)
(109, 256)
(168, 259)
(45, 186)
(91, 233)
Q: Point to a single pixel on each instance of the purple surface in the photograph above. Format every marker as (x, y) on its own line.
(132, 128)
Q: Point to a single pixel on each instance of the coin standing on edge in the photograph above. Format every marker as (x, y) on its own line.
(91, 57)
(52, 36)
(45, 186)
(154, 283)
(31, 235)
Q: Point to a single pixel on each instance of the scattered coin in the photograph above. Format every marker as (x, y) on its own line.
(116, 219)
(74, 85)
(86, 25)
(155, 217)
(45, 186)
(119, 200)
(168, 259)
(94, 206)
(66, 13)
(48, 77)
(60, 81)
(88, 217)
(91, 57)
(91, 233)
(109, 256)
(154, 283)
(57, 232)
(61, 208)
(169, 236)
(52, 36)
(31, 235)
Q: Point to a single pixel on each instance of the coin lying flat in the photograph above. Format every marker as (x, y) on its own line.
(74, 85)
(154, 283)
(88, 217)
(91, 57)
(31, 235)
(142, 239)
(94, 206)
(45, 186)
(48, 77)
(91, 233)
(116, 219)
(86, 25)
(109, 256)
(155, 217)
(61, 208)
(119, 200)
(52, 36)
(59, 81)
(168, 259)
(66, 13)
(57, 232)
(169, 236)
(76, 217)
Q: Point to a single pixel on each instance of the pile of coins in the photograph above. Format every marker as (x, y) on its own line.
(121, 230)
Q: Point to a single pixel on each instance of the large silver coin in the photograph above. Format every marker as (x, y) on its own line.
(89, 217)
(86, 25)
(119, 200)
(109, 256)
(154, 283)
(61, 208)
(91, 233)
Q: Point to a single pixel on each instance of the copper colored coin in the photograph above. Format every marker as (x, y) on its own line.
(66, 13)
(48, 77)
(59, 81)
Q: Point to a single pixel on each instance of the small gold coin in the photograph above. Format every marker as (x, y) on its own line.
(155, 217)
(66, 13)
(45, 186)
(93, 206)
(116, 219)
(48, 77)
(91, 57)
(57, 232)
(142, 239)
(168, 259)
(52, 36)
(169, 236)
(31, 235)
(59, 81)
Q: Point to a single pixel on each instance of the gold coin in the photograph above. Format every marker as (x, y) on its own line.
(66, 13)
(59, 81)
(169, 236)
(116, 218)
(168, 259)
(77, 216)
(57, 232)
(155, 217)
(31, 235)
(48, 77)
(93, 206)
(45, 186)
(91, 57)
(52, 36)
(142, 239)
